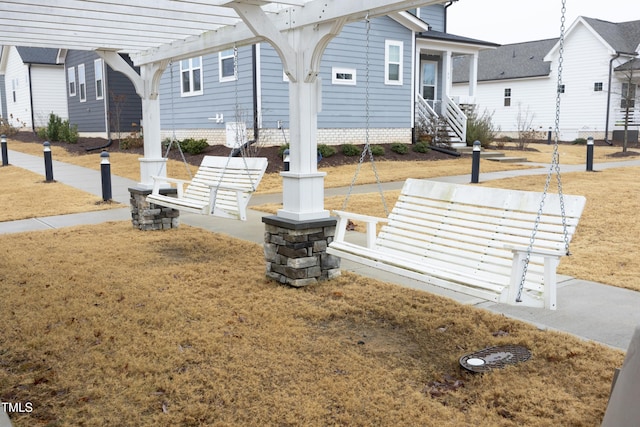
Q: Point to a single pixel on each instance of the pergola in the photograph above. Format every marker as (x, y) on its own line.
(154, 33)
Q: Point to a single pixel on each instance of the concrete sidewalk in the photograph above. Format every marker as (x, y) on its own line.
(589, 310)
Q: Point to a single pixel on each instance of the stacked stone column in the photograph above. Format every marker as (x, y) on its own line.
(148, 216)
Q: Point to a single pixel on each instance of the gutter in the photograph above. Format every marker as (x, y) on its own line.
(606, 125)
(33, 118)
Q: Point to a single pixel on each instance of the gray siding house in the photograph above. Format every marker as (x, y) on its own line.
(101, 101)
(406, 56)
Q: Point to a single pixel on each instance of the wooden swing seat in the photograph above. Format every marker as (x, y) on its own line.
(468, 239)
(222, 187)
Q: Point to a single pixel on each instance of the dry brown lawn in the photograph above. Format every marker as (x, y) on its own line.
(27, 195)
(107, 325)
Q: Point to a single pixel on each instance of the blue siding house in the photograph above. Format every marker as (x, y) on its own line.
(407, 57)
(102, 102)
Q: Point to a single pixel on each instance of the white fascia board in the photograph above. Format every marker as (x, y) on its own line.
(411, 22)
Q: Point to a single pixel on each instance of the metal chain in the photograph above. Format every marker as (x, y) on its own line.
(367, 146)
(555, 165)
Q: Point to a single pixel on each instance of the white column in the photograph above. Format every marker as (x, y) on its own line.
(447, 79)
(152, 163)
(473, 76)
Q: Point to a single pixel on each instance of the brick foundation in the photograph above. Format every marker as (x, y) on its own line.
(148, 216)
(296, 251)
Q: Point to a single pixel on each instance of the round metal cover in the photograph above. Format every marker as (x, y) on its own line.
(494, 357)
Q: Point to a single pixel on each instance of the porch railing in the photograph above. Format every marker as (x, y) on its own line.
(455, 117)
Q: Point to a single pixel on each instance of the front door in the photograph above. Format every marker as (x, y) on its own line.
(429, 81)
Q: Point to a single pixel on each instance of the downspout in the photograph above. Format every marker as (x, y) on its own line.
(606, 126)
(446, 6)
(33, 116)
(254, 71)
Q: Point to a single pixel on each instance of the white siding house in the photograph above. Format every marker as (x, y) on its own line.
(35, 84)
(519, 81)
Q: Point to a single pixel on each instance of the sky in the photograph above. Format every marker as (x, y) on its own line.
(514, 21)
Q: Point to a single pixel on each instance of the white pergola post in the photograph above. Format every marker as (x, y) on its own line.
(147, 85)
(300, 50)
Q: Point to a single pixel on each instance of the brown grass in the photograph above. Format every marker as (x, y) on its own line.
(106, 325)
(26, 195)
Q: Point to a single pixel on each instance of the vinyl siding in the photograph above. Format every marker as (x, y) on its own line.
(48, 92)
(434, 16)
(88, 115)
(18, 111)
(193, 112)
(122, 96)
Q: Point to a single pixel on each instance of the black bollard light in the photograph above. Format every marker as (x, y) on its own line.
(475, 163)
(590, 154)
(105, 171)
(549, 137)
(48, 163)
(5, 154)
(285, 160)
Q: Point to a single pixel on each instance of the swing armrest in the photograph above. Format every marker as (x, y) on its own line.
(535, 251)
(180, 183)
(371, 221)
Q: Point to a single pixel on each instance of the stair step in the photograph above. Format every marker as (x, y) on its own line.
(508, 159)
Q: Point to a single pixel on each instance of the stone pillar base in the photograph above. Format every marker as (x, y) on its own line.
(148, 216)
(296, 251)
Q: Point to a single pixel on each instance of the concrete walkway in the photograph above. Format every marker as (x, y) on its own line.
(589, 310)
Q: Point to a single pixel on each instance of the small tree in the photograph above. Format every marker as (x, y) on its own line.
(526, 131)
(114, 118)
(481, 128)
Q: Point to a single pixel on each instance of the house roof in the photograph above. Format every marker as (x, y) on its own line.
(510, 61)
(38, 55)
(634, 65)
(623, 37)
(438, 35)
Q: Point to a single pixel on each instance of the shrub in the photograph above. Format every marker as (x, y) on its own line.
(193, 146)
(480, 128)
(282, 148)
(54, 128)
(326, 150)
(350, 150)
(377, 150)
(59, 130)
(69, 132)
(399, 148)
(580, 141)
(420, 147)
(42, 133)
(131, 141)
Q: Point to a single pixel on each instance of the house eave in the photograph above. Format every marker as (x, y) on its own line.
(410, 21)
(506, 79)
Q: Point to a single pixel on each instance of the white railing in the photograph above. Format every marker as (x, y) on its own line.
(633, 119)
(456, 118)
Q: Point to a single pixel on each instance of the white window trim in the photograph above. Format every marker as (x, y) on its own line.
(387, 45)
(97, 65)
(191, 70)
(82, 83)
(231, 78)
(71, 76)
(335, 71)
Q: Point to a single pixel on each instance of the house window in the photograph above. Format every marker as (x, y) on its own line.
(71, 76)
(561, 88)
(393, 62)
(97, 65)
(597, 87)
(82, 84)
(628, 96)
(227, 66)
(507, 97)
(343, 76)
(191, 76)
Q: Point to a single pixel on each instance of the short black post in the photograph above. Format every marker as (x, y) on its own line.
(5, 154)
(48, 163)
(549, 137)
(590, 154)
(285, 160)
(475, 163)
(105, 171)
